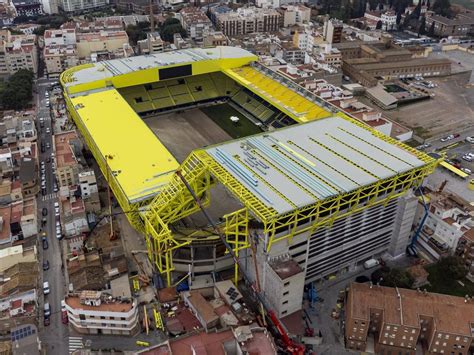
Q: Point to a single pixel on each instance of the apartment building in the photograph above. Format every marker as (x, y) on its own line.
(248, 20)
(94, 46)
(290, 53)
(95, 312)
(449, 219)
(28, 7)
(215, 39)
(18, 309)
(67, 145)
(28, 177)
(462, 25)
(387, 18)
(59, 58)
(466, 249)
(60, 37)
(17, 52)
(402, 321)
(152, 44)
(332, 31)
(73, 213)
(76, 6)
(195, 22)
(295, 15)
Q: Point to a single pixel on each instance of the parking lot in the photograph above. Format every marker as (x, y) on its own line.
(450, 110)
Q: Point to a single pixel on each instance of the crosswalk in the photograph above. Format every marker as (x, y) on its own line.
(75, 343)
(50, 196)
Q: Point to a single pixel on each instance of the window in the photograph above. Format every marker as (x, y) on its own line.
(102, 317)
(286, 284)
(286, 302)
(287, 292)
(284, 312)
(436, 342)
(446, 336)
(82, 316)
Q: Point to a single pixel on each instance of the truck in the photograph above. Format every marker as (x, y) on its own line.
(369, 264)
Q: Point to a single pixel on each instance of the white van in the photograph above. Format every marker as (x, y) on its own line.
(45, 287)
(47, 309)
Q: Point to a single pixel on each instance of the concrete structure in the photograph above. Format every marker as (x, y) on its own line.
(75, 6)
(96, 46)
(295, 15)
(28, 177)
(195, 22)
(327, 194)
(248, 20)
(87, 183)
(404, 320)
(332, 31)
(460, 26)
(66, 147)
(17, 254)
(201, 309)
(152, 44)
(27, 7)
(17, 310)
(59, 58)
(466, 247)
(215, 39)
(94, 312)
(50, 6)
(449, 219)
(387, 18)
(17, 52)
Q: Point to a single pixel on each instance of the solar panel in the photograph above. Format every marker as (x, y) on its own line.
(22, 333)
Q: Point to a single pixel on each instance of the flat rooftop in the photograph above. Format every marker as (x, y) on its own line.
(294, 167)
(140, 163)
(115, 67)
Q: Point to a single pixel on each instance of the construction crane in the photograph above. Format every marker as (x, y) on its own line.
(291, 346)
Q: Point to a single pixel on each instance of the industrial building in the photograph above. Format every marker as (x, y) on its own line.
(319, 196)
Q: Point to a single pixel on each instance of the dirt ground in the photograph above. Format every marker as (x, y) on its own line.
(183, 132)
(451, 110)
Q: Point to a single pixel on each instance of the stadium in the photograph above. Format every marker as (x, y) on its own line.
(305, 191)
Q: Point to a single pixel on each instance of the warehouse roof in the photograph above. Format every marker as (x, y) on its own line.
(110, 68)
(297, 166)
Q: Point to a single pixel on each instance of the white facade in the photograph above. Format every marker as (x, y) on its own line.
(99, 317)
(81, 5)
(50, 6)
(296, 15)
(61, 37)
(389, 20)
(87, 183)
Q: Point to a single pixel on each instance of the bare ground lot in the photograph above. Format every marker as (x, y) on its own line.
(183, 132)
(451, 110)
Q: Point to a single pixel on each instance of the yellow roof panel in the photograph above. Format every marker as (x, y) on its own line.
(139, 161)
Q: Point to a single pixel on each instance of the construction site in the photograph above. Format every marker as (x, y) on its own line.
(310, 192)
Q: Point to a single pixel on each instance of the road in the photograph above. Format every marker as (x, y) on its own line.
(55, 337)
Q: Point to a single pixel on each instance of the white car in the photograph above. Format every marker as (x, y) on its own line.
(467, 171)
(56, 204)
(48, 130)
(470, 140)
(467, 157)
(46, 287)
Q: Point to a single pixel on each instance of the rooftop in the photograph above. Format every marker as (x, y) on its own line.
(109, 306)
(115, 67)
(120, 134)
(64, 153)
(299, 165)
(451, 313)
(286, 268)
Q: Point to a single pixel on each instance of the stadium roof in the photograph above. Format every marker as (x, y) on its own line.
(140, 163)
(110, 68)
(297, 166)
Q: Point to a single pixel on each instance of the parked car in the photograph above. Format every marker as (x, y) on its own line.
(466, 170)
(48, 130)
(447, 138)
(45, 265)
(44, 211)
(47, 321)
(46, 287)
(45, 243)
(47, 309)
(467, 157)
(470, 140)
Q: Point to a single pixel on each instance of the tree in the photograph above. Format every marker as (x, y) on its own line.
(392, 277)
(379, 25)
(431, 31)
(17, 93)
(399, 17)
(442, 7)
(170, 27)
(137, 32)
(428, 4)
(422, 29)
(373, 4)
(417, 12)
(453, 267)
(39, 31)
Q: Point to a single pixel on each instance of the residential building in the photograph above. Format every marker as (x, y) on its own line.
(28, 221)
(28, 176)
(290, 53)
(76, 6)
(215, 39)
(216, 9)
(449, 219)
(17, 52)
(202, 310)
(330, 56)
(18, 310)
(195, 22)
(295, 15)
(388, 19)
(19, 278)
(304, 39)
(28, 7)
(66, 147)
(95, 46)
(138, 6)
(248, 20)
(60, 37)
(466, 249)
(18, 254)
(25, 338)
(95, 312)
(50, 6)
(402, 321)
(7, 13)
(332, 31)
(87, 183)
(73, 214)
(460, 26)
(59, 58)
(152, 44)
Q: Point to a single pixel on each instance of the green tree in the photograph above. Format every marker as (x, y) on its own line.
(39, 31)
(422, 29)
(453, 267)
(170, 27)
(17, 93)
(431, 31)
(392, 277)
(137, 32)
(379, 25)
(442, 7)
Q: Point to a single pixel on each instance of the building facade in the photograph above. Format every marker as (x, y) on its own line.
(73, 6)
(248, 20)
(195, 22)
(94, 312)
(17, 52)
(402, 320)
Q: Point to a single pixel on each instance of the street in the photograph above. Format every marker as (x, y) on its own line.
(55, 336)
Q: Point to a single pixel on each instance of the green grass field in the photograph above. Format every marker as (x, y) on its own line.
(221, 114)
